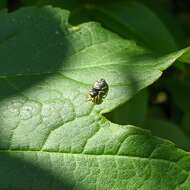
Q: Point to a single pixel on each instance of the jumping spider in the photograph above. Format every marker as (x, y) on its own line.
(98, 91)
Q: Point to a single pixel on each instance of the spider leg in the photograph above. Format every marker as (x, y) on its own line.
(103, 93)
(96, 99)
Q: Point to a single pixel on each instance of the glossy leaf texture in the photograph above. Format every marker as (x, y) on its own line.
(51, 136)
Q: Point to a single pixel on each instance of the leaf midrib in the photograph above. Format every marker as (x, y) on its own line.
(97, 155)
(63, 75)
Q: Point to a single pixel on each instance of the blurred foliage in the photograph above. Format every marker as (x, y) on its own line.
(162, 26)
(3, 4)
(169, 130)
(133, 112)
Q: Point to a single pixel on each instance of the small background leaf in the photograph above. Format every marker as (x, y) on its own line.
(169, 131)
(132, 112)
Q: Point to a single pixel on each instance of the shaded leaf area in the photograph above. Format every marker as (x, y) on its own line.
(180, 91)
(146, 22)
(133, 112)
(49, 128)
(186, 122)
(25, 171)
(168, 130)
(123, 18)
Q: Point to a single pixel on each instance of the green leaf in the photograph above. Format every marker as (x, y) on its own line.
(168, 130)
(132, 112)
(180, 91)
(51, 136)
(123, 17)
(101, 156)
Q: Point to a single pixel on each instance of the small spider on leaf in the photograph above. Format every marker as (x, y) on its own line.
(98, 91)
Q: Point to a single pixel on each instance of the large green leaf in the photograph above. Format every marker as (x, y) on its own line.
(51, 137)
